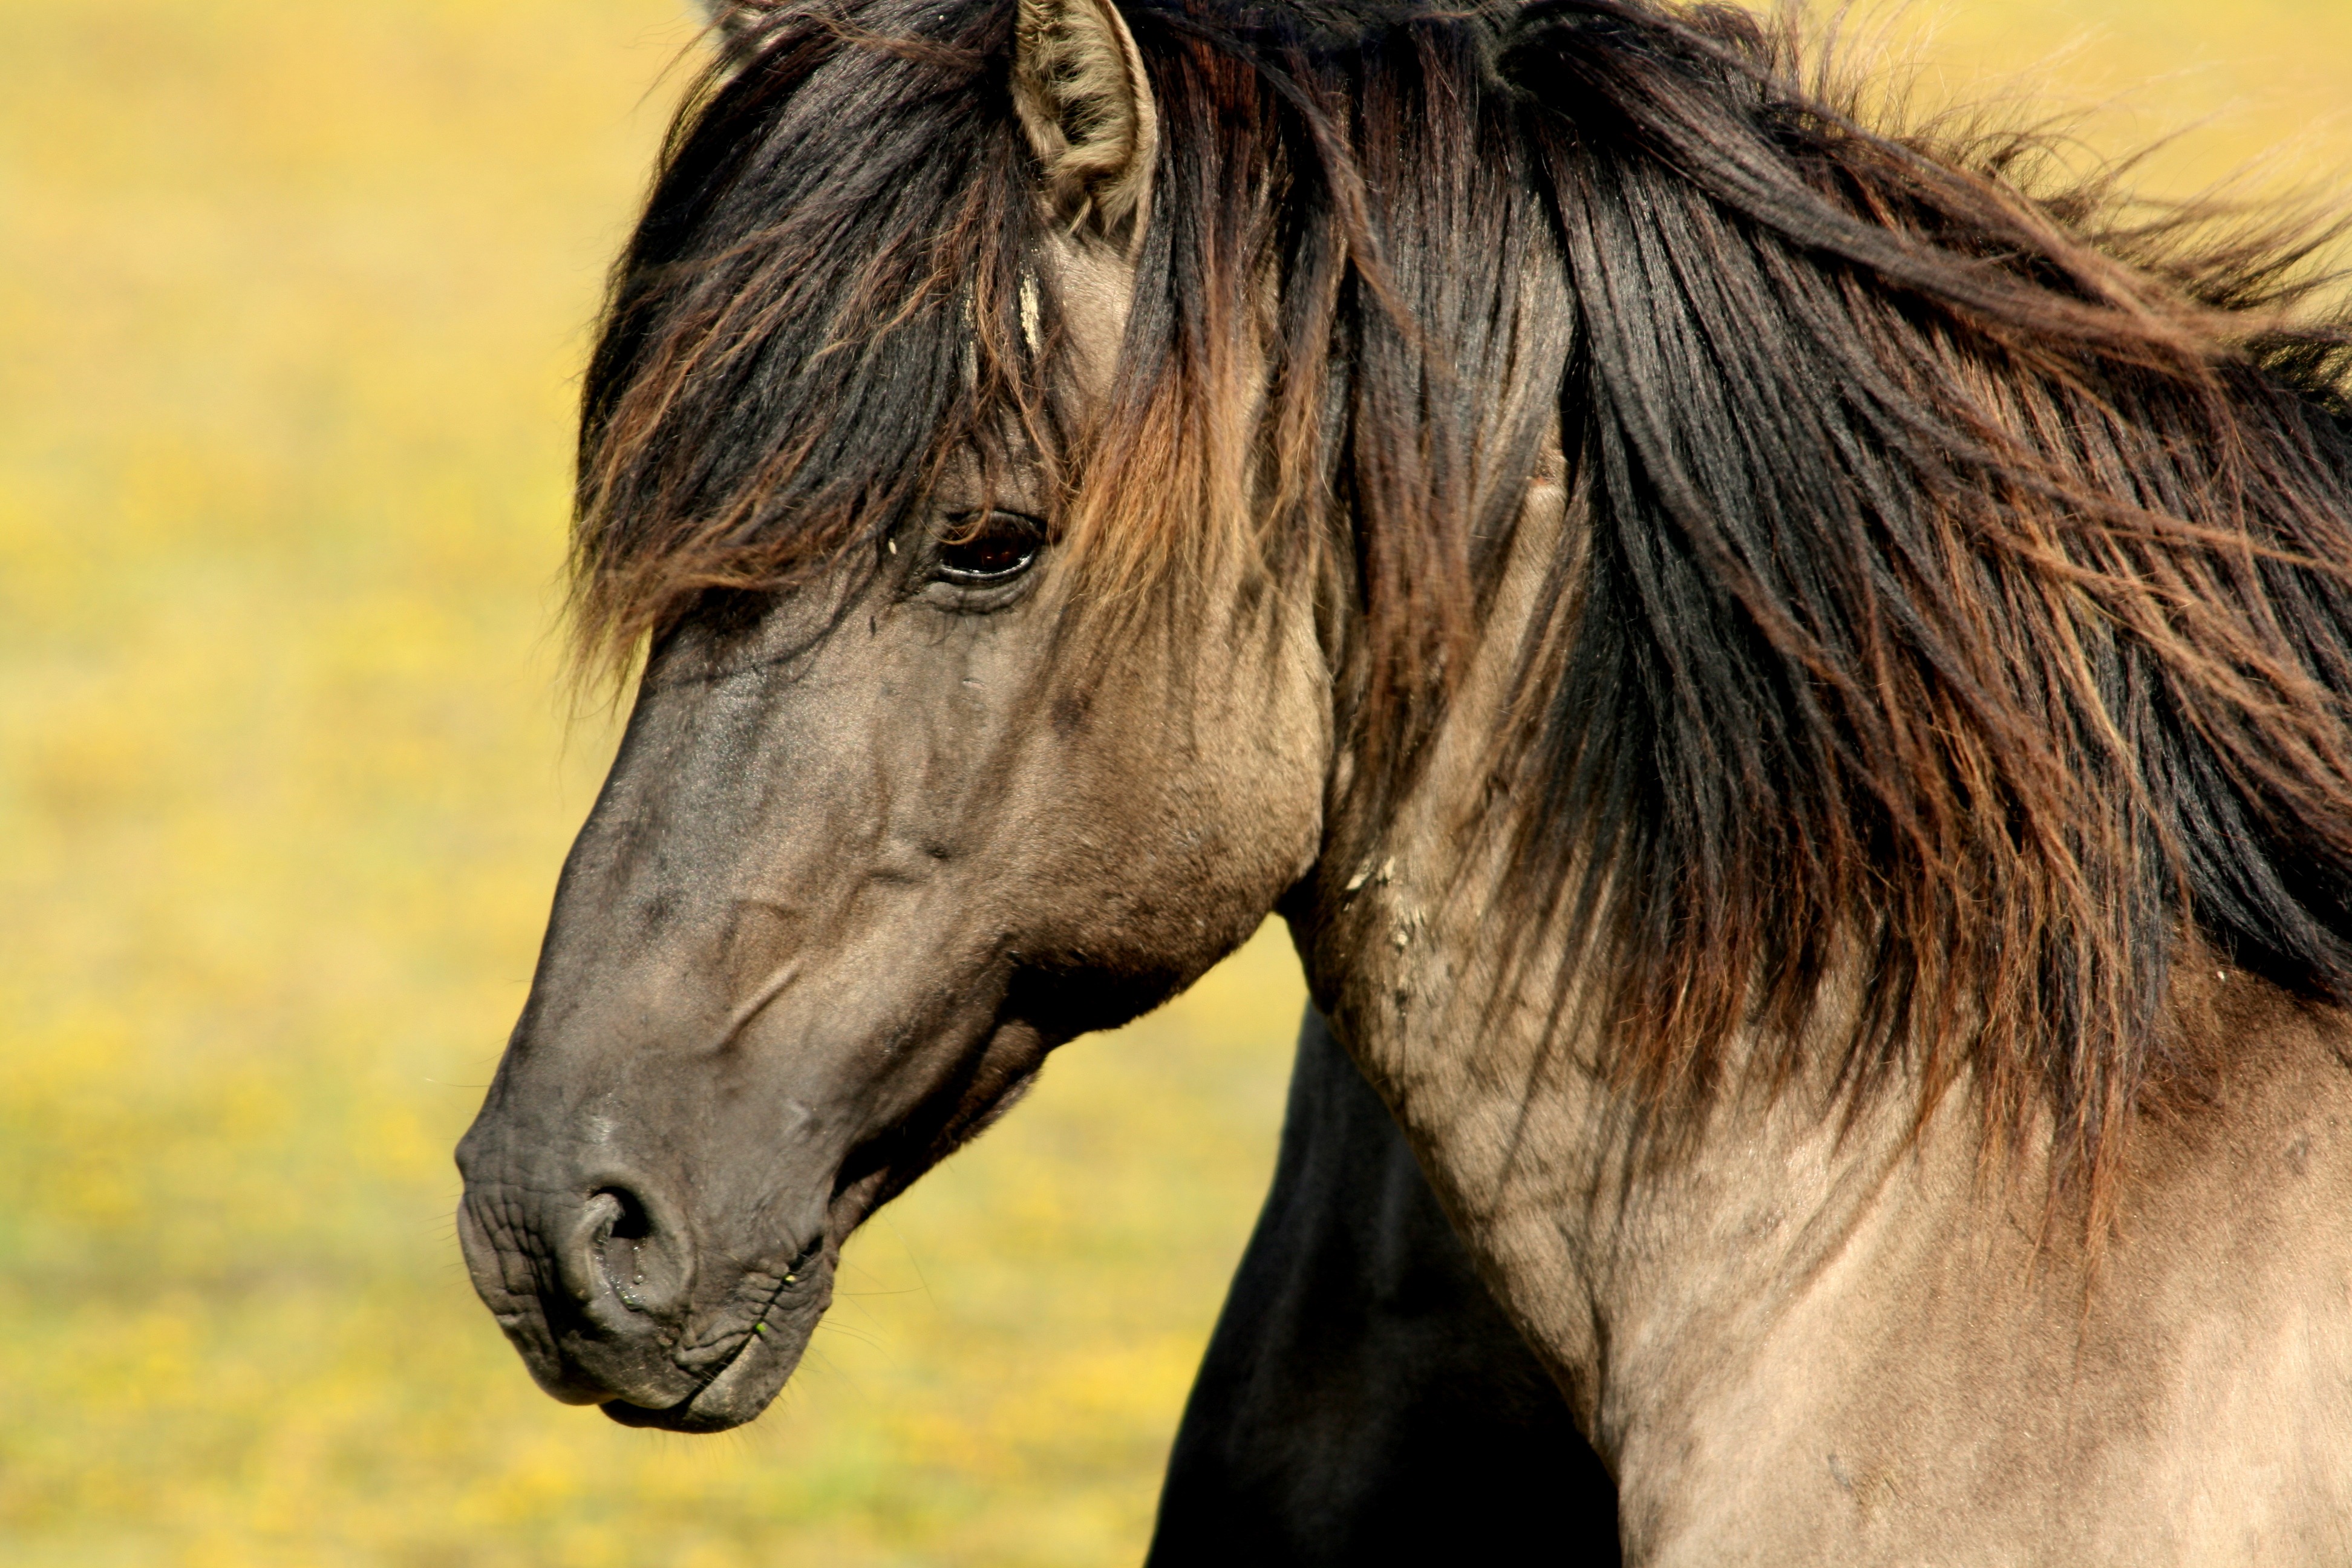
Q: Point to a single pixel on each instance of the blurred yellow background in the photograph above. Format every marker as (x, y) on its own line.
(292, 298)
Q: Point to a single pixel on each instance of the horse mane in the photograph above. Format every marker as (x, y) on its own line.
(1959, 607)
(1965, 606)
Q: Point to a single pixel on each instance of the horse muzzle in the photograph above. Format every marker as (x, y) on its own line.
(604, 1290)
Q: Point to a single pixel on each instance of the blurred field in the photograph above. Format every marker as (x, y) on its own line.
(292, 300)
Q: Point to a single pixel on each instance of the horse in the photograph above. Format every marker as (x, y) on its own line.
(1363, 1399)
(1785, 671)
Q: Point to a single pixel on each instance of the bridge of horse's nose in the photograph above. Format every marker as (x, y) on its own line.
(625, 1257)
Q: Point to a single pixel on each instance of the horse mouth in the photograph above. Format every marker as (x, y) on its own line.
(737, 1385)
(733, 1391)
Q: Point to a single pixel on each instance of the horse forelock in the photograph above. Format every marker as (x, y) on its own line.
(1959, 600)
(822, 306)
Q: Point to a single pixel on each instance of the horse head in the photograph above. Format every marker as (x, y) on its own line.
(878, 838)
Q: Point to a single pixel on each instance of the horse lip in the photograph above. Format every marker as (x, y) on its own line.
(708, 1408)
(713, 1404)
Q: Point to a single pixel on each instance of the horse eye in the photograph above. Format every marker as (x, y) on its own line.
(995, 549)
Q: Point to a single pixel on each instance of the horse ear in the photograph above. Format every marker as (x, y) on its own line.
(1079, 88)
(735, 24)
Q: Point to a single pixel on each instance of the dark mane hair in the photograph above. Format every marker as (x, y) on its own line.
(1959, 597)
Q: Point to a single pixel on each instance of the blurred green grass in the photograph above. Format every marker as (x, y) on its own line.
(292, 298)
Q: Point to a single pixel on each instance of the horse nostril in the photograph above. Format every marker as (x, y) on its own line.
(622, 1228)
(630, 1222)
(618, 1255)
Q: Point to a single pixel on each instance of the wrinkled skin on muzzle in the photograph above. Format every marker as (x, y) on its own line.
(870, 849)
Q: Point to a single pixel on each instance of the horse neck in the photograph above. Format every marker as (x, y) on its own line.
(1623, 1254)
(1671, 1271)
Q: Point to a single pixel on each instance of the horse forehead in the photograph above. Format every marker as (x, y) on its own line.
(1094, 288)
